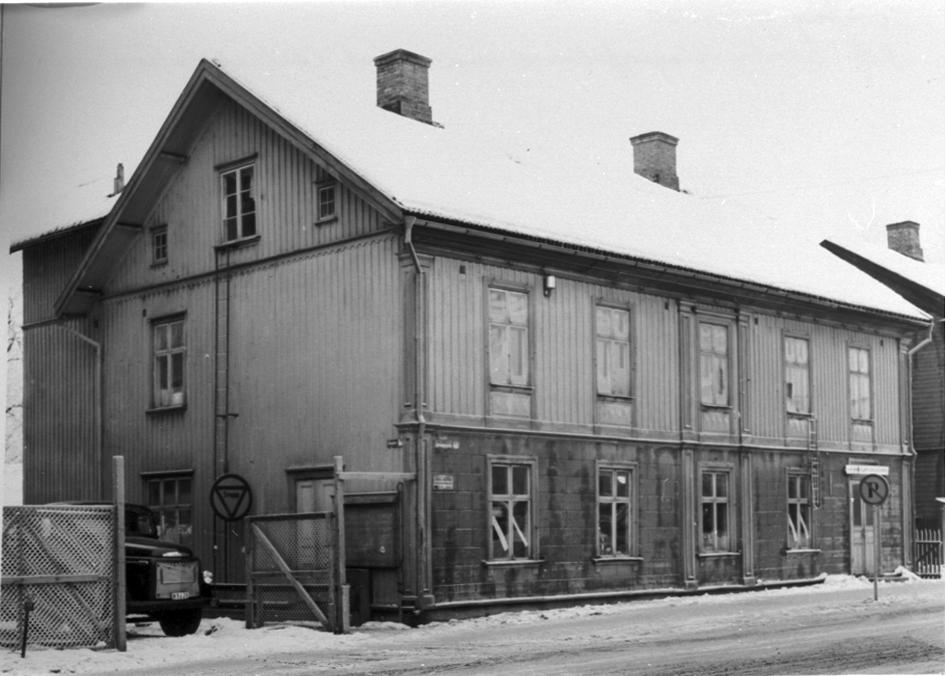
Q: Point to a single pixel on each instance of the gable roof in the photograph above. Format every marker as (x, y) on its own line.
(542, 189)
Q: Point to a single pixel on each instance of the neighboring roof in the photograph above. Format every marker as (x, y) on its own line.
(543, 188)
(920, 283)
(87, 208)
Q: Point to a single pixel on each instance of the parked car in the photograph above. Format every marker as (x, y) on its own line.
(164, 580)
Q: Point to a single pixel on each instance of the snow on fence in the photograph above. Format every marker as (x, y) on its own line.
(928, 553)
(58, 576)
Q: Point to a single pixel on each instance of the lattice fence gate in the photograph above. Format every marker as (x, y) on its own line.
(58, 572)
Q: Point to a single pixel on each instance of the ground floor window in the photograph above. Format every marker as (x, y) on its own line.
(715, 505)
(615, 495)
(170, 498)
(799, 511)
(511, 507)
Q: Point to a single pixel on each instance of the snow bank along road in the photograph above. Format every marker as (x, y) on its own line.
(832, 628)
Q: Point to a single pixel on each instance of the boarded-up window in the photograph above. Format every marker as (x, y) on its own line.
(239, 206)
(511, 505)
(859, 382)
(169, 353)
(797, 394)
(714, 365)
(508, 337)
(613, 351)
(799, 511)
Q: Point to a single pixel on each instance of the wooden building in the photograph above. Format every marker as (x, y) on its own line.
(599, 384)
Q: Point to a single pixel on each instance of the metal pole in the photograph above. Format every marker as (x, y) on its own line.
(876, 547)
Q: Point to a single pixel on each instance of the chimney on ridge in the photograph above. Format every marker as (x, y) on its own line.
(904, 238)
(118, 183)
(655, 158)
(402, 84)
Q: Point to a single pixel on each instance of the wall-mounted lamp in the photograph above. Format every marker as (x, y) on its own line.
(548, 284)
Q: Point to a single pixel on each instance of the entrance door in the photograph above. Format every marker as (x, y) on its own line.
(862, 532)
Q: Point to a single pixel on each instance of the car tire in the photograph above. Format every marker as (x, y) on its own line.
(180, 623)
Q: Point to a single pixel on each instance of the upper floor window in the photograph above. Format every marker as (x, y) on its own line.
(326, 201)
(859, 382)
(239, 206)
(799, 511)
(714, 364)
(170, 498)
(797, 393)
(613, 351)
(169, 350)
(508, 337)
(512, 501)
(159, 245)
(616, 520)
(714, 500)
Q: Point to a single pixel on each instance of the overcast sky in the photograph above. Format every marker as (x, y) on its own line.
(828, 115)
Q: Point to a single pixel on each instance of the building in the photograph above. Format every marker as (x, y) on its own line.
(597, 384)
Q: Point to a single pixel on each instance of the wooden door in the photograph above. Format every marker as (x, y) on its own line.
(862, 532)
(312, 495)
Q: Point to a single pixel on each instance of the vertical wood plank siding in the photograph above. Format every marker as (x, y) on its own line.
(46, 269)
(283, 189)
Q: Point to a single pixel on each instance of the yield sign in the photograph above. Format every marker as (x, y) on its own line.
(231, 497)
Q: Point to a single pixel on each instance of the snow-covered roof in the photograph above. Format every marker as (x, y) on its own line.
(546, 188)
(539, 184)
(84, 206)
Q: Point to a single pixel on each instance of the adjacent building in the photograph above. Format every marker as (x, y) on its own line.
(594, 383)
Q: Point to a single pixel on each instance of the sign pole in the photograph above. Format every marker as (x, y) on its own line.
(876, 509)
(874, 490)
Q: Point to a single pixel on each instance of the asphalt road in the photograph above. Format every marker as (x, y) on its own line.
(823, 632)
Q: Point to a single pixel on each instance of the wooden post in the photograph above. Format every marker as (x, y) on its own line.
(249, 605)
(118, 493)
(341, 587)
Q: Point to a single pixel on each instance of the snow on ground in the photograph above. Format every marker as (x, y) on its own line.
(148, 647)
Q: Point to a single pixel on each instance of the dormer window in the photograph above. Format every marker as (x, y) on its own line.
(159, 245)
(326, 201)
(239, 205)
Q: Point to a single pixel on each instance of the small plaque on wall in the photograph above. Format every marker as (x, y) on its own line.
(443, 482)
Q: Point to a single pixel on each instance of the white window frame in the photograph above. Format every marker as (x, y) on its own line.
(159, 245)
(326, 188)
(509, 531)
(245, 221)
(508, 340)
(175, 517)
(712, 541)
(719, 394)
(611, 347)
(797, 376)
(167, 361)
(614, 502)
(860, 386)
(798, 510)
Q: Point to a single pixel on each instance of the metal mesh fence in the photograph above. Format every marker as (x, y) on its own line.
(58, 575)
(304, 544)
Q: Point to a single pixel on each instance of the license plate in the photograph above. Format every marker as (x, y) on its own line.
(177, 596)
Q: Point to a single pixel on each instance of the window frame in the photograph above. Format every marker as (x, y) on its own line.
(716, 548)
(787, 383)
(531, 530)
(868, 375)
(158, 400)
(324, 186)
(727, 327)
(525, 383)
(613, 500)
(803, 480)
(159, 231)
(628, 309)
(237, 168)
(160, 509)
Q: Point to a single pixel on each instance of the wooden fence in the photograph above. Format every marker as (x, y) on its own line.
(928, 553)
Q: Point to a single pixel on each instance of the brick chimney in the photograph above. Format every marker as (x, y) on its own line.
(904, 238)
(655, 158)
(402, 84)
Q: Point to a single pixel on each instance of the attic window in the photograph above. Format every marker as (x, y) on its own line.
(326, 202)
(239, 206)
(159, 245)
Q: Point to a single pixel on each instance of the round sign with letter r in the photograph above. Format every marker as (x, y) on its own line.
(874, 489)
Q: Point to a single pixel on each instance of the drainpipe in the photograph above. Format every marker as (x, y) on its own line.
(422, 460)
(97, 404)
